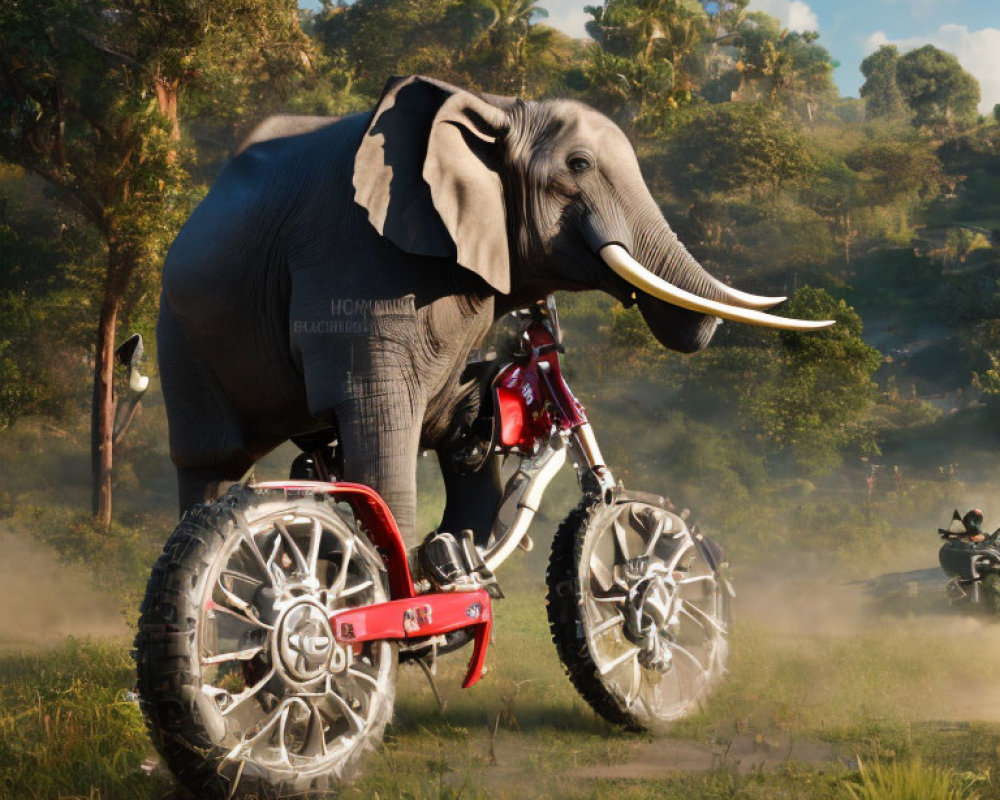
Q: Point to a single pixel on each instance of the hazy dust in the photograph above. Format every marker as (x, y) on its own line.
(937, 659)
(43, 599)
(744, 752)
(915, 660)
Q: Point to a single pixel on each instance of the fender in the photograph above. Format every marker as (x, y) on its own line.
(408, 615)
(373, 513)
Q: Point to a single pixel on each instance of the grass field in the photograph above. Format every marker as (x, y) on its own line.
(822, 684)
(832, 693)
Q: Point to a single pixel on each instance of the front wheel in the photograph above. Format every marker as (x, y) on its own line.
(244, 688)
(639, 610)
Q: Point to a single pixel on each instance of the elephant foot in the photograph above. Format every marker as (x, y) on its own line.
(452, 564)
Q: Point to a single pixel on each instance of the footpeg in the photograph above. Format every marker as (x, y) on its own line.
(456, 565)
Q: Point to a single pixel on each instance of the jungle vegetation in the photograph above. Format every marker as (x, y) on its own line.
(114, 116)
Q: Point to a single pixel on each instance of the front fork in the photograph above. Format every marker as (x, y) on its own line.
(525, 488)
(593, 474)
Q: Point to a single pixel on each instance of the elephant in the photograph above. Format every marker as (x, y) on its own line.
(339, 272)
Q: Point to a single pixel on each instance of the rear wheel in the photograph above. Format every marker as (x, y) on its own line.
(990, 592)
(639, 610)
(244, 688)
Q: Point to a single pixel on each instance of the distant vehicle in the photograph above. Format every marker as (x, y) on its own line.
(971, 560)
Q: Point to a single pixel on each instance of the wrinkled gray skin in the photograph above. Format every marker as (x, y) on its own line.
(340, 271)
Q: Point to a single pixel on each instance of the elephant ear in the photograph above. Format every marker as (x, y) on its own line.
(426, 173)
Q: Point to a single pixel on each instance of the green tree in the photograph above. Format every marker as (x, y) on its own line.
(936, 88)
(20, 386)
(222, 56)
(643, 62)
(376, 39)
(785, 65)
(835, 193)
(736, 146)
(880, 91)
(90, 100)
(72, 115)
(805, 395)
(43, 314)
(507, 33)
(891, 169)
(899, 171)
(726, 15)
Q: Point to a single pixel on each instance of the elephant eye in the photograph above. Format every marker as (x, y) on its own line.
(578, 163)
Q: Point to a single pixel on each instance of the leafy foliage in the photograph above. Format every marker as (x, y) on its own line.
(67, 726)
(881, 92)
(903, 781)
(642, 64)
(736, 146)
(784, 65)
(936, 87)
(506, 38)
(89, 103)
(805, 395)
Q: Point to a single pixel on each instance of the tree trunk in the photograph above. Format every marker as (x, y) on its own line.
(103, 408)
(166, 98)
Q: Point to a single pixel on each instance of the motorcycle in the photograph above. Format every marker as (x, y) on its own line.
(971, 560)
(275, 618)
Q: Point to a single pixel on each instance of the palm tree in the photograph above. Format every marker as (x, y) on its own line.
(507, 32)
(652, 42)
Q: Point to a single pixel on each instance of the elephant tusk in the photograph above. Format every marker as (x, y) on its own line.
(626, 267)
(745, 299)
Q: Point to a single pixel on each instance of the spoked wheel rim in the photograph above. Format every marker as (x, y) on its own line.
(289, 698)
(654, 611)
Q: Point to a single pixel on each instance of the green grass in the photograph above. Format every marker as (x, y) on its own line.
(908, 781)
(863, 686)
(813, 665)
(67, 729)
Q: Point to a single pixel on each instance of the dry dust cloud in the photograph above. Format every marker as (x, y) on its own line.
(894, 645)
(43, 599)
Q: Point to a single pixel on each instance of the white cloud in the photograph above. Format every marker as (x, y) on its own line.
(793, 14)
(977, 51)
(568, 16)
(920, 9)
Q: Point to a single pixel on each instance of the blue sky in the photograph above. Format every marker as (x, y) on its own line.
(851, 29)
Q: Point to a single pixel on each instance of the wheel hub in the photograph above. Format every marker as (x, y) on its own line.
(305, 641)
(649, 611)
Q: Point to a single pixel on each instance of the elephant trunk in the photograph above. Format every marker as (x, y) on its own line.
(617, 257)
(663, 269)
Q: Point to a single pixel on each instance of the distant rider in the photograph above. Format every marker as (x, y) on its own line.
(969, 527)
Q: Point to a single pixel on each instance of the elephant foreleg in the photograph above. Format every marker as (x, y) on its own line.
(379, 437)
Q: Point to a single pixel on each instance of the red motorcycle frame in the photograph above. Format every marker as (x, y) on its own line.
(275, 618)
(533, 405)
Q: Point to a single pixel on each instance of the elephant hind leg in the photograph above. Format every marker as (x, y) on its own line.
(472, 498)
(205, 485)
(208, 445)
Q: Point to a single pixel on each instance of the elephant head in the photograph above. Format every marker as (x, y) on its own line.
(533, 197)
